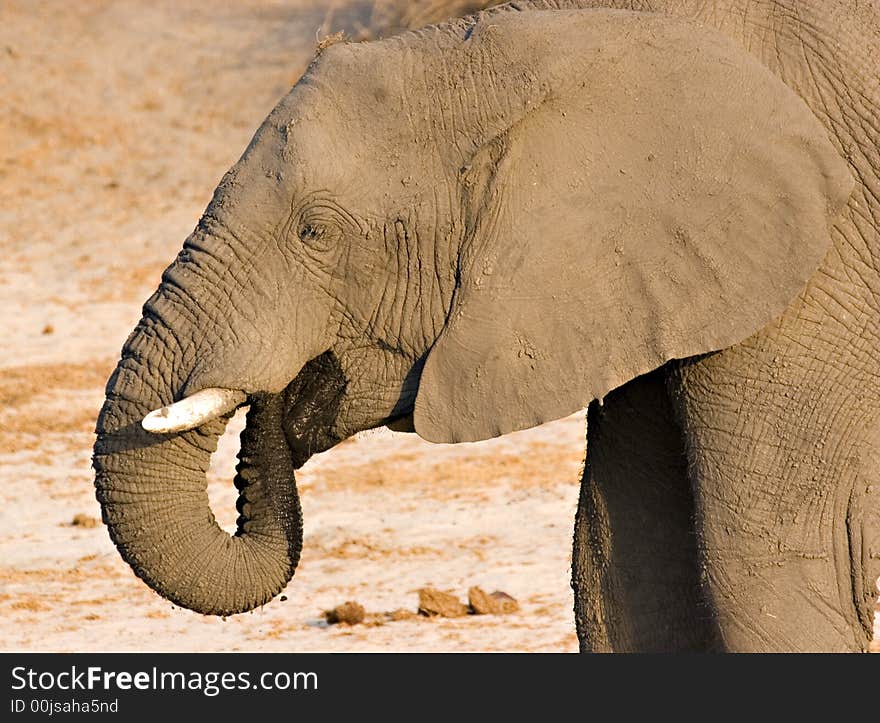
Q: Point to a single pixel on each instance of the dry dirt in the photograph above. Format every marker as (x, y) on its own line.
(118, 119)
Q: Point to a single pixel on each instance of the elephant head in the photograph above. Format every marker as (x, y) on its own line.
(480, 227)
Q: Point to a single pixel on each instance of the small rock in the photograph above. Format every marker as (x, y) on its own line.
(48, 329)
(81, 520)
(434, 603)
(496, 603)
(349, 613)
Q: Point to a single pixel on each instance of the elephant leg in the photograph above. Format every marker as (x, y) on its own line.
(635, 571)
(783, 450)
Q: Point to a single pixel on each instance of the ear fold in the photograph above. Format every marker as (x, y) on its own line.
(667, 197)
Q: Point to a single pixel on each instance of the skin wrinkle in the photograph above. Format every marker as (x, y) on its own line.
(749, 623)
(349, 326)
(832, 463)
(398, 301)
(202, 316)
(444, 295)
(243, 267)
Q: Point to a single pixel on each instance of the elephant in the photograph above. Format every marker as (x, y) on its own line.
(664, 211)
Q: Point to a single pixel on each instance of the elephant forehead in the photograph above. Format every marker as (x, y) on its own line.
(364, 101)
(329, 158)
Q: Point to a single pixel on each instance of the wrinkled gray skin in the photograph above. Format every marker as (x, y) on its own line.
(729, 501)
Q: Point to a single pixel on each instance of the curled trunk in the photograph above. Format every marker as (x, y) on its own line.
(153, 491)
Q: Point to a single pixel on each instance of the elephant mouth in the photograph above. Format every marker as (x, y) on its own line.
(310, 404)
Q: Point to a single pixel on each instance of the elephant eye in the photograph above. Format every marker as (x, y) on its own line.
(309, 233)
(316, 235)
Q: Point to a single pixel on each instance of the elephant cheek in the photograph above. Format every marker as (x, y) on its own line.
(312, 403)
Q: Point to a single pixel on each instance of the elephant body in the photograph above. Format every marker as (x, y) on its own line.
(779, 432)
(668, 211)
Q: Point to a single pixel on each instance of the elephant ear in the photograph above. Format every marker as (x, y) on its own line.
(666, 196)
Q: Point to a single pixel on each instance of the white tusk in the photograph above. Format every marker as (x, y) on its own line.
(194, 411)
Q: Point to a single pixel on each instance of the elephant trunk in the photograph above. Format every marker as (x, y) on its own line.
(153, 490)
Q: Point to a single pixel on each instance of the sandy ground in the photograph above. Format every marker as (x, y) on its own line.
(118, 118)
